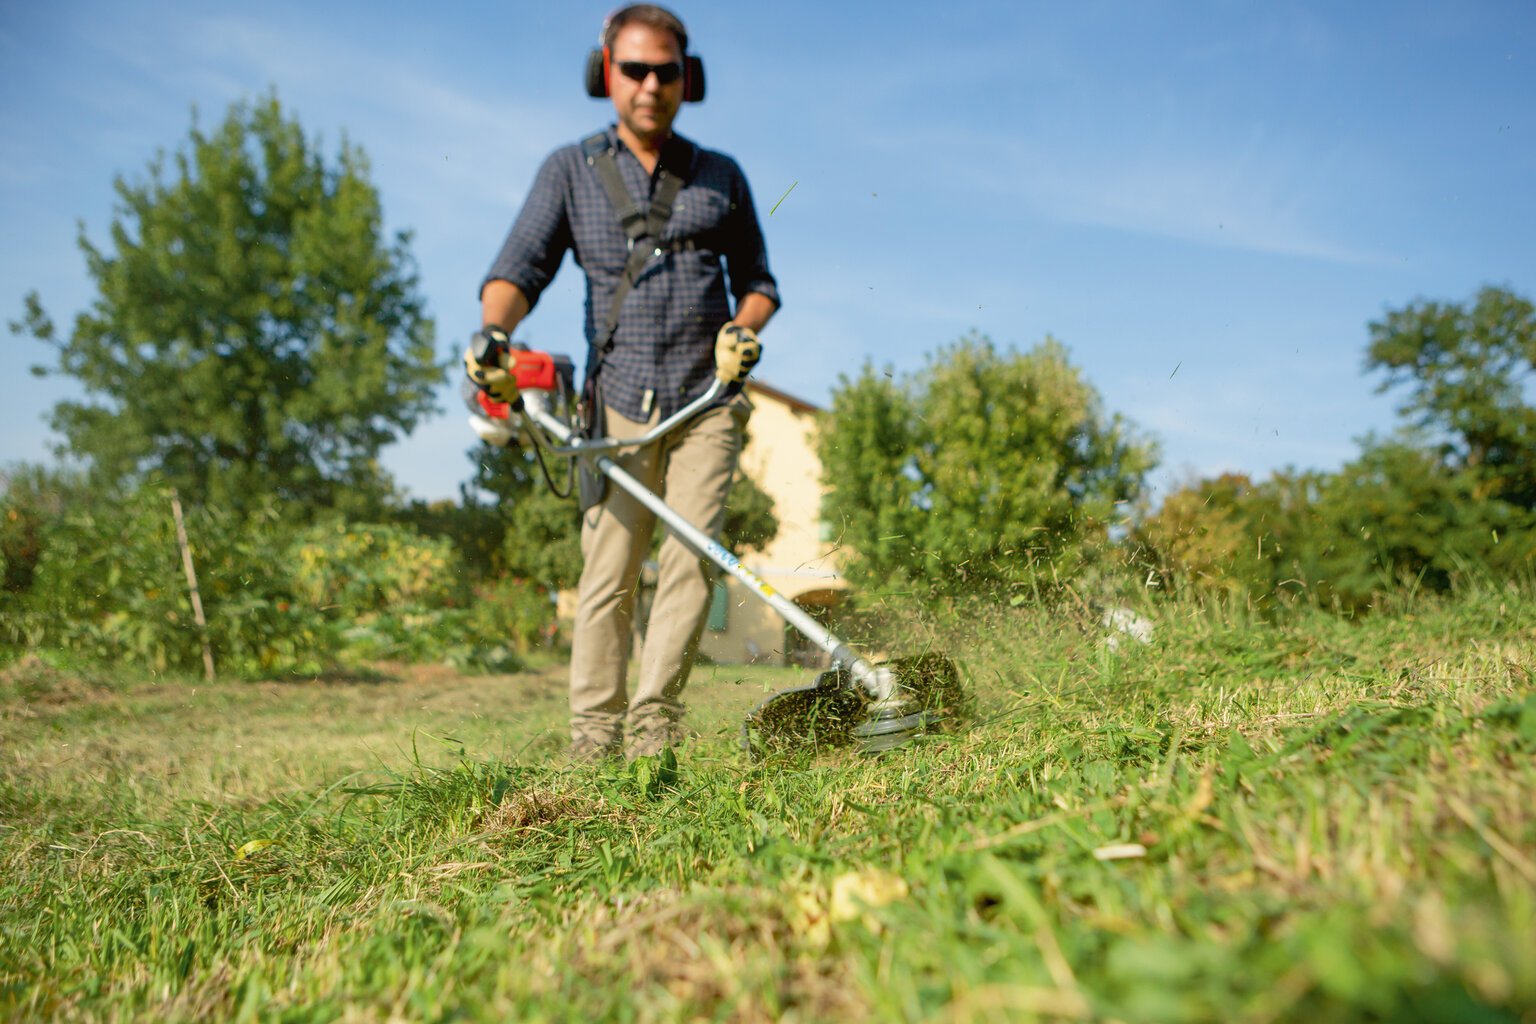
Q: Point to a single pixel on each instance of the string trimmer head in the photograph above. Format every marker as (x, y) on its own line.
(837, 711)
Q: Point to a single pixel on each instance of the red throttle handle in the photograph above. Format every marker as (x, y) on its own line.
(534, 371)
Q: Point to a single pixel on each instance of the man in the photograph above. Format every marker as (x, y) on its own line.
(655, 349)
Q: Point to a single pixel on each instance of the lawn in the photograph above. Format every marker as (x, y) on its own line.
(1243, 820)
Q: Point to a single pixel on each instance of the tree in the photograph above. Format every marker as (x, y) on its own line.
(1206, 538)
(750, 521)
(1452, 493)
(986, 469)
(254, 334)
(1468, 373)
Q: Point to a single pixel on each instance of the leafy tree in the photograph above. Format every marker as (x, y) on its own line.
(1393, 517)
(750, 522)
(1206, 539)
(254, 334)
(1468, 371)
(989, 468)
(1453, 493)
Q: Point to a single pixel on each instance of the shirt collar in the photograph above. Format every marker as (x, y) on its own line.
(677, 153)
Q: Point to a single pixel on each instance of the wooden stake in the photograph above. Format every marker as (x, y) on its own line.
(197, 601)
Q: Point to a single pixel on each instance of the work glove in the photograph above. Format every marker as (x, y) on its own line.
(486, 362)
(737, 350)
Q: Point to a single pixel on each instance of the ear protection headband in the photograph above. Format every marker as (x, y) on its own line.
(600, 66)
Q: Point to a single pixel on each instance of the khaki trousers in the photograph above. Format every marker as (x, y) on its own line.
(691, 469)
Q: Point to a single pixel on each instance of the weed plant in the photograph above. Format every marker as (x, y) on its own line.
(1244, 820)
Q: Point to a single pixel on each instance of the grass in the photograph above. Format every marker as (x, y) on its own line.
(1244, 820)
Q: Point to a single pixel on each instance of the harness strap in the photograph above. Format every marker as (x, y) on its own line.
(643, 226)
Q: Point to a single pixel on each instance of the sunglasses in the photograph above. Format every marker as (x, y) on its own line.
(639, 71)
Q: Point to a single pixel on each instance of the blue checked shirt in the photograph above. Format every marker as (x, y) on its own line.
(664, 349)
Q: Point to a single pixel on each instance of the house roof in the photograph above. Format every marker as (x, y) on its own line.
(757, 387)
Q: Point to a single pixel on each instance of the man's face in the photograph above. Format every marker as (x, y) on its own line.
(646, 108)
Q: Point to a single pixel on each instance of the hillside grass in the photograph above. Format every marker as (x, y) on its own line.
(1244, 820)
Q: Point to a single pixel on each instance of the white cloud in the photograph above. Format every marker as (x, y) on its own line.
(1244, 201)
(1256, 194)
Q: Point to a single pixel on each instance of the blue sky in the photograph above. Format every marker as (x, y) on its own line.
(1206, 202)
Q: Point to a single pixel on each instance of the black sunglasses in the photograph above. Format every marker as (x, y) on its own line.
(639, 71)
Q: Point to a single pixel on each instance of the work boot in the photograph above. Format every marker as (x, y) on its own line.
(653, 735)
(593, 749)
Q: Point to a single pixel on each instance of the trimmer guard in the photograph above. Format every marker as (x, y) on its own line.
(834, 711)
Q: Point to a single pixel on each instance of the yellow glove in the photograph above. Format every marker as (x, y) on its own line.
(737, 350)
(491, 345)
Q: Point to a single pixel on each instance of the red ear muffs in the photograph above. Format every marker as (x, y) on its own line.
(599, 67)
(597, 73)
(693, 79)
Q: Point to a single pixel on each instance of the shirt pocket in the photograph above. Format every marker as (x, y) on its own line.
(699, 214)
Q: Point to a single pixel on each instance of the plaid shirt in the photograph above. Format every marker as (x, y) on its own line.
(664, 350)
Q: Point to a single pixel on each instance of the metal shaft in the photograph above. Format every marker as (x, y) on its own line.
(876, 684)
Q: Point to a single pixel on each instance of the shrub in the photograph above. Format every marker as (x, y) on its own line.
(109, 586)
(992, 469)
(358, 570)
(100, 579)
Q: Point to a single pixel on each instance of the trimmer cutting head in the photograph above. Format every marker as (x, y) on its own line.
(835, 711)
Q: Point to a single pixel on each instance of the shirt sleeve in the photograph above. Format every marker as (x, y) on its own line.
(540, 236)
(746, 254)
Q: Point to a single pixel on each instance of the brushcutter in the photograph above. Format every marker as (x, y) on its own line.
(876, 707)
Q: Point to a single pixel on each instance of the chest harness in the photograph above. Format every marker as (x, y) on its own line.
(643, 225)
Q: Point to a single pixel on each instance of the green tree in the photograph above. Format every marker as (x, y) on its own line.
(750, 521)
(537, 534)
(1453, 493)
(988, 468)
(1468, 372)
(1206, 539)
(254, 334)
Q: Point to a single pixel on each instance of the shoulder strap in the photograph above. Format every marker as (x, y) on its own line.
(633, 217)
(640, 223)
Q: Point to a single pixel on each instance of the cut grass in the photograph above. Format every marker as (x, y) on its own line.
(1241, 821)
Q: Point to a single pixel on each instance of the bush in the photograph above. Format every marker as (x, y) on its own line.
(30, 498)
(1395, 517)
(510, 614)
(98, 577)
(360, 570)
(991, 470)
(108, 586)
